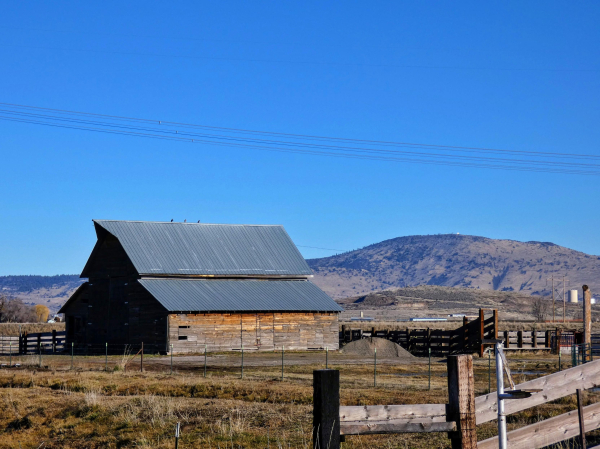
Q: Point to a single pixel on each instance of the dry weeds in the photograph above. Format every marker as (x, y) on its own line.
(63, 408)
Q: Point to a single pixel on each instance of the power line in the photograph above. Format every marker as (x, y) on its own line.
(473, 157)
(295, 144)
(306, 136)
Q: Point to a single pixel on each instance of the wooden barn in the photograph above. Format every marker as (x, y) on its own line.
(189, 285)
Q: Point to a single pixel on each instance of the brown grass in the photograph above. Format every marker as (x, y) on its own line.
(12, 329)
(90, 408)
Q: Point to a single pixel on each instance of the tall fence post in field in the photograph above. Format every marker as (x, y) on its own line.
(461, 398)
(326, 409)
(587, 321)
(142, 359)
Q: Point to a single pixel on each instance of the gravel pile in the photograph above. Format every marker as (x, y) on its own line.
(385, 349)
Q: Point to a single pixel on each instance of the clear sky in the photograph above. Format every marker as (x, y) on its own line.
(511, 75)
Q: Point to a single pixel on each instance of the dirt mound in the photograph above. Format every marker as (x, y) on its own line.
(385, 349)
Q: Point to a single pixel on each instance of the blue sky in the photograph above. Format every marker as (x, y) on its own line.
(512, 75)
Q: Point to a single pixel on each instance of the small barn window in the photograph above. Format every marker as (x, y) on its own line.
(184, 327)
(182, 337)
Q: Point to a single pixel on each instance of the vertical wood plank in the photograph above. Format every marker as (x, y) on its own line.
(587, 319)
(326, 409)
(495, 324)
(519, 339)
(481, 331)
(461, 401)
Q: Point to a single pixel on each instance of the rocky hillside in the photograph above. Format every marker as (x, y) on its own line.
(52, 291)
(455, 261)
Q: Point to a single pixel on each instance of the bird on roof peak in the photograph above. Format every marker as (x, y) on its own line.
(185, 221)
(171, 220)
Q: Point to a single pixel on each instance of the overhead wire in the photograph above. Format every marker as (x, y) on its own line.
(297, 143)
(304, 145)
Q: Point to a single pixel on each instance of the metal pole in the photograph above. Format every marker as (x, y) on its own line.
(177, 436)
(204, 360)
(429, 369)
(326, 358)
(375, 368)
(171, 358)
(106, 358)
(559, 360)
(489, 370)
(242, 361)
(282, 351)
(71, 355)
(502, 442)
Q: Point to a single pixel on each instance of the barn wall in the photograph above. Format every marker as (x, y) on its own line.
(262, 331)
(117, 311)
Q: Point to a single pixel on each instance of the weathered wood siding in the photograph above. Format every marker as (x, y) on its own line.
(262, 331)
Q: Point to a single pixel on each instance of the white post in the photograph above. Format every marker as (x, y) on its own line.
(502, 443)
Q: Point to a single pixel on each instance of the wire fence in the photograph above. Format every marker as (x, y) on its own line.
(367, 370)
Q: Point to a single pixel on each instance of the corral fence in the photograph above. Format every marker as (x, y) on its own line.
(463, 412)
(472, 337)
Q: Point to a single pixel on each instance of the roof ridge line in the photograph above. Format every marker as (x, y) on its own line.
(95, 220)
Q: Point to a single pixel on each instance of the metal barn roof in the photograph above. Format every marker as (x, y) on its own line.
(208, 249)
(187, 295)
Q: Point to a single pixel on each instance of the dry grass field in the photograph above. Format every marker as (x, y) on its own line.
(88, 407)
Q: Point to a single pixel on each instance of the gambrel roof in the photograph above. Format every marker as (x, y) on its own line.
(163, 248)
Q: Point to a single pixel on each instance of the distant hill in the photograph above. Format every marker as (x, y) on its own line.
(454, 260)
(51, 291)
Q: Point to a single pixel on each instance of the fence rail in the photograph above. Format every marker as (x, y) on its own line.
(463, 406)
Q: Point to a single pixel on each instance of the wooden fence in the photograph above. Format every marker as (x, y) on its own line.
(472, 336)
(46, 342)
(461, 414)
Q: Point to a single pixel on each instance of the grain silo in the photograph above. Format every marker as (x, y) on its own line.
(573, 296)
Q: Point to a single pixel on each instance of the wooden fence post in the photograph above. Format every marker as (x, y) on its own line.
(53, 340)
(547, 338)
(587, 322)
(481, 331)
(495, 324)
(461, 401)
(506, 339)
(326, 409)
(534, 343)
(519, 339)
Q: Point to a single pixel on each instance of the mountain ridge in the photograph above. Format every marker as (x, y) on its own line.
(454, 260)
